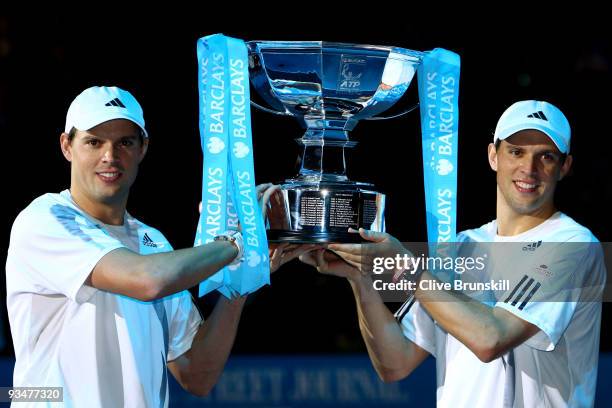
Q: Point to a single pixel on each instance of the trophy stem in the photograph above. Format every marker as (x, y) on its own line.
(323, 155)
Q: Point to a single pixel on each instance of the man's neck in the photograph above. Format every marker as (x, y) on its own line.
(111, 214)
(510, 223)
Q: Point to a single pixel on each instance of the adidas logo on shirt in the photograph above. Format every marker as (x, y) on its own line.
(533, 246)
(523, 292)
(115, 102)
(147, 241)
(538, 115)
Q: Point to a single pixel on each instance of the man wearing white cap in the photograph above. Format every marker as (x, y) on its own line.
(96, 299)
(537, 344)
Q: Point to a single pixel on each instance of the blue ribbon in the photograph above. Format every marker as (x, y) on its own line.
(228, 180)
(439, 105)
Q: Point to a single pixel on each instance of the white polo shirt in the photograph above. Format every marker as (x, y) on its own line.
(557, 367)
(104, 349)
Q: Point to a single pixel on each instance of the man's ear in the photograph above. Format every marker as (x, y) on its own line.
(144, 148)
(66, 146)
(492, 152)
(567, 165)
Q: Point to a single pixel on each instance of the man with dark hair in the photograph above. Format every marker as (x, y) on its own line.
(97, 300)
(537, 345)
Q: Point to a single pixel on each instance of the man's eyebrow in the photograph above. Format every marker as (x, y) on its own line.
(91, 136)
(543, 151)
(550, 151)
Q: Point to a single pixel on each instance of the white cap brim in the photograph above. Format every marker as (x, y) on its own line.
(87, 122)
(556, 138)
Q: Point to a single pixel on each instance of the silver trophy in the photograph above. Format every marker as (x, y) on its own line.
(328, 88)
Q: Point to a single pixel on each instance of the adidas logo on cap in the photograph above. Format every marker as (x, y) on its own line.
(115, 102)
(538, 115)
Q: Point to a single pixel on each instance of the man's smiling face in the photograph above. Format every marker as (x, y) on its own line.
(528, 166)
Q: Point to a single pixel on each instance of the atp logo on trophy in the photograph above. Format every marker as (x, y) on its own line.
(351, 72)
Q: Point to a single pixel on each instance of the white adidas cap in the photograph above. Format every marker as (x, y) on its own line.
(538, 115)
(99, 104)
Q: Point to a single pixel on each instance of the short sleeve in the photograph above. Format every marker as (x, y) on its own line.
(417, 326)
(185, 321)
(53, 249)
(547, 292)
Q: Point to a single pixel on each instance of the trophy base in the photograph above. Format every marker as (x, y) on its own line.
(323, 212)
(303, 237)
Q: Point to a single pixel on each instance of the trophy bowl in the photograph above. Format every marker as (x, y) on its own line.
(328, 88)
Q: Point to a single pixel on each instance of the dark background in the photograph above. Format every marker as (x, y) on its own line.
(47, 58)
